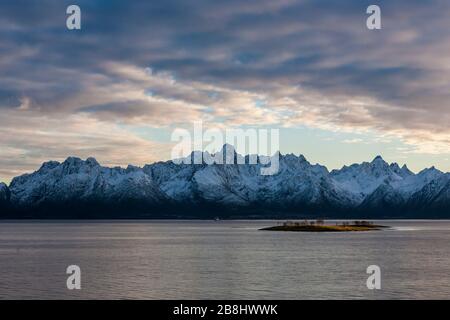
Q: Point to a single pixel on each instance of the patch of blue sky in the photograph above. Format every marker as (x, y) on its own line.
(335, 149)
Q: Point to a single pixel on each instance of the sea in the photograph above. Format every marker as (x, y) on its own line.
(173, 259)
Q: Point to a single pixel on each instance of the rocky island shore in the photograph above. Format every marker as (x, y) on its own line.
(320, 226)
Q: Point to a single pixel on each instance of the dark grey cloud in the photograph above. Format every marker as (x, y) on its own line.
(232, 42)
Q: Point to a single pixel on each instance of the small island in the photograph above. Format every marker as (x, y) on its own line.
(320, 226)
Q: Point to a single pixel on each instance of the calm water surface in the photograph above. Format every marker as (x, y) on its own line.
(221, 260)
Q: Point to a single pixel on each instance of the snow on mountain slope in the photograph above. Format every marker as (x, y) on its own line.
(443, 198)
(385, 197)
(298, 185)
(414, 182)
(365, 178)
(434, 194)
(383, 185)
(75, 179)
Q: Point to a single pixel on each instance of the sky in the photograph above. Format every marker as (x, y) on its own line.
(338, 92)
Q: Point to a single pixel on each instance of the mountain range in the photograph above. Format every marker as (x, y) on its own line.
(83, 189)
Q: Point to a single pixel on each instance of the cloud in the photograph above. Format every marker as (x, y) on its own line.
(356, 140)
(168, 63)
(27, 141)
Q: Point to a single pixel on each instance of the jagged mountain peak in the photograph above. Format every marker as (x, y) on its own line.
(226, 155)
(431, 170)
(131, 168)
(49, 165)
(406, 170)
(403, 172)
(293, 157)
(297, 185)
(75, 161)
(228, 148)
(378, 162)
(92, 162)
(378, 158)
(72, 160)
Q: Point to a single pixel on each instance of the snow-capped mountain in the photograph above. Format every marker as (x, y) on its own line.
(383, 186)
(76, 182)
(299, 188)
(298, 182)
(435, 195)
